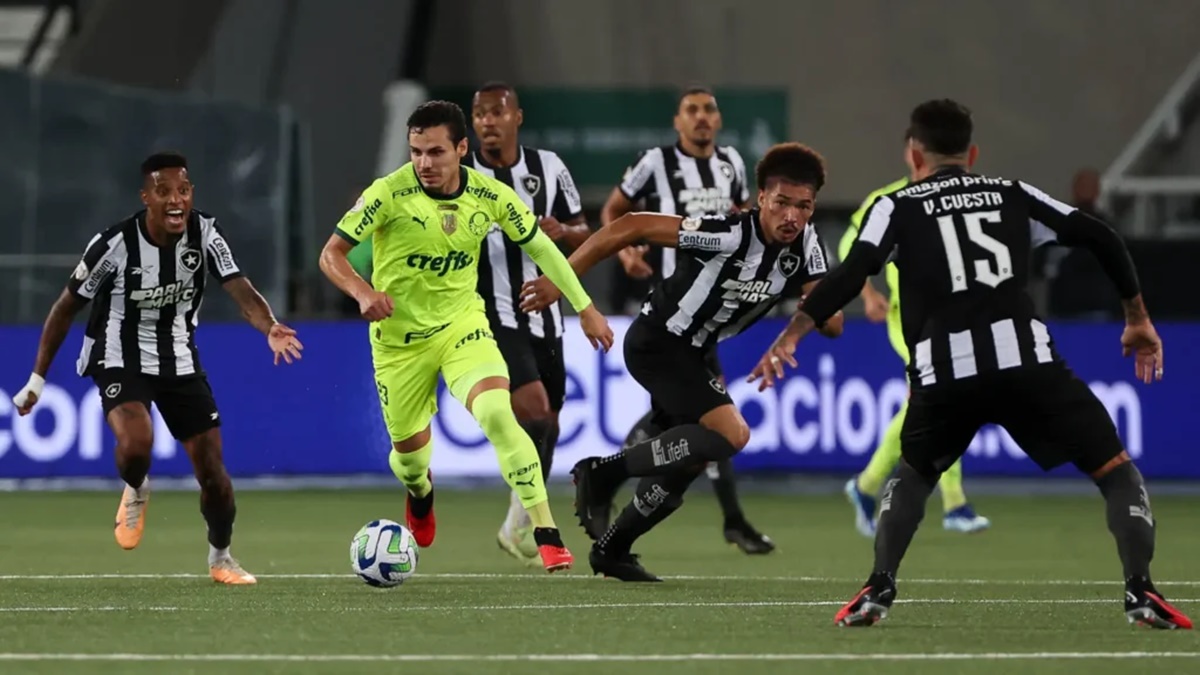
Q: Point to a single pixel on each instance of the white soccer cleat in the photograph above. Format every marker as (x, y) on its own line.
(965, 520)
(516, 534)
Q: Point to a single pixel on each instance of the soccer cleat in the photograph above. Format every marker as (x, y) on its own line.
(870, 605)
(743, 535)
(423, 528)
(624, 566)
(965, 520)
(1144, 606)
(555, 555)
(131, 516)
(864, 508)
(515, 541)
(228, 571)
(593, 503)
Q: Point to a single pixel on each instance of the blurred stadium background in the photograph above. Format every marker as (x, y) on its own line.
(288, 108)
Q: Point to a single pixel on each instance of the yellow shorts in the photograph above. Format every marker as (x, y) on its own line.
(464, 352)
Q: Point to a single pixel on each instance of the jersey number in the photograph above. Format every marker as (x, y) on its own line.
(985, 273)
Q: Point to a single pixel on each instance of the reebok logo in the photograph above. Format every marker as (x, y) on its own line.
(442, 265)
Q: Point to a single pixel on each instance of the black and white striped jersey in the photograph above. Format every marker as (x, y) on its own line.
(544, 183)
(727, 277)
(147, 298)
(962, 243)
(671, 181)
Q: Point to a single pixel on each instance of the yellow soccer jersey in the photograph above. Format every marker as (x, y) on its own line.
(426, 247)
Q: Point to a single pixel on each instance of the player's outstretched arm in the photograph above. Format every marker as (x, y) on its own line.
(255, 309)
(561, 276)
(54, 331)
(836, 324)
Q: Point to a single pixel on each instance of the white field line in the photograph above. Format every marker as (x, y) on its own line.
(411, 658)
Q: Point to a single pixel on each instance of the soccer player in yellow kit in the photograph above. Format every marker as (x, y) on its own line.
(958, 515)
(426, 222)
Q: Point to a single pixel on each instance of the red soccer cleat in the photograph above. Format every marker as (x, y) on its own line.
(425, 527)
(555, 555)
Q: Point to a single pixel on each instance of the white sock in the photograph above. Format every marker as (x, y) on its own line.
(215, 554)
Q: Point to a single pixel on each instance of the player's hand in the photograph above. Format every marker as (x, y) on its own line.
(375, 306)
(781, 351)
(539, 294)
(28, 397)
(283, 342)
(554, 229)
(1141, 340)
(596, 328)
(875, 306)
(633, 259)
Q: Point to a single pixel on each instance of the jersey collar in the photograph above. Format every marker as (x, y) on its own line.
(482, 161)
(462, 185)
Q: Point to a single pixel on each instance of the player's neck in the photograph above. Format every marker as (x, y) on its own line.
(503, 157)
(157, 234)
(945, 165)
(698, 151)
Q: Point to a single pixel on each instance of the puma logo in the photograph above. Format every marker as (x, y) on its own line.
(420, 221)
(528, 483)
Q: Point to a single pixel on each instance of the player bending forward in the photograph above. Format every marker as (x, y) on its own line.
(147, 275)
(426, 222)
(731, 269)
(980, 354)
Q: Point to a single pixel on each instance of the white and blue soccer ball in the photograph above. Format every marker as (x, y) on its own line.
(383, 553)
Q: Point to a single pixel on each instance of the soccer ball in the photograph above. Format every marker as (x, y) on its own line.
(383, 553)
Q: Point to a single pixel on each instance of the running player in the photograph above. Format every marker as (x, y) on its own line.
(147, 275)
(731, 270)
(532, 344)
(980, 354)
(958, 515)
(426, 221)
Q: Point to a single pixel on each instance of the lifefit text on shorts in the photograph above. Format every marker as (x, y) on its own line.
(476, 335)
(453, 261)
(669, 452)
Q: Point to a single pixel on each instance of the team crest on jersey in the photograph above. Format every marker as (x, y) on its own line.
(726, 170)
(531, 183)
(479, 224)
(189, 260)
(788, 263)
(449, 222)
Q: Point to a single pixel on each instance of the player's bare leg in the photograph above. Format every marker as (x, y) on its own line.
(531, 405)
(134, 430)
(410, 462)
(491, 404)
(217, 506)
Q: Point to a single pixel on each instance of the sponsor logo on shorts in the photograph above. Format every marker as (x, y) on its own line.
(476, 335)
(112, 390)
(424, 334)
(717, 386)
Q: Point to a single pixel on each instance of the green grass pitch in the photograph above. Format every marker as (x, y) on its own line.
(1039, 593)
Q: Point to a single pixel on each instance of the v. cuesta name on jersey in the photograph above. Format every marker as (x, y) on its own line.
(959, 202)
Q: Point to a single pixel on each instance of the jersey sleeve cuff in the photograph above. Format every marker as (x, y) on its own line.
(346, 235)
(632, 198)
(529, 237)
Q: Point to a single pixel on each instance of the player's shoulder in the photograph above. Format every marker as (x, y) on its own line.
(717, 222)
(483, 187)
(731, 152)
(548, 158)
(399, 183)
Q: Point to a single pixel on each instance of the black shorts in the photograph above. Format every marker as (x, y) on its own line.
(1051, 414)
(685, 383)
(185, 403)
(533, 359)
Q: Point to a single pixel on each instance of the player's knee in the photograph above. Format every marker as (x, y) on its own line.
(134, 444)
(737, 434)
(493, 412)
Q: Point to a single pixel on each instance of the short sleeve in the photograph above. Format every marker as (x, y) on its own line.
(222, 263)
(877, 231)
(368, 214)
(816, 258)
(100, 261)
(638, 180)
(710, 234)
(512, 214)
(567, 204)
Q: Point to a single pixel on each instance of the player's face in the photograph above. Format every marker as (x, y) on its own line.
(785, 208)
(698, 119)
(496, 117)
(167, 194)
(435, 157)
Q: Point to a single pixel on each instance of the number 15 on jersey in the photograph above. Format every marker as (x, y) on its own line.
(988, 272)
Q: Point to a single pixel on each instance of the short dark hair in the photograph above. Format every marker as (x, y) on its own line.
(163, 160)
(693, 89)
(496, 85)
(942, 126)
(793, 162)
(439, 113)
